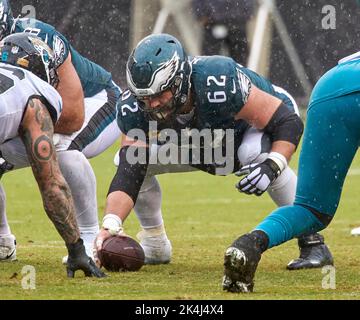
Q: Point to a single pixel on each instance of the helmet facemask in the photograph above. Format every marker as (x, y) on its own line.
(169, 110)
(49, 67)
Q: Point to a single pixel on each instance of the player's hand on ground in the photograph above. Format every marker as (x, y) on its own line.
(78, 260)
(258, 177)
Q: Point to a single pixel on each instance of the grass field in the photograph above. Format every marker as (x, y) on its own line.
(203, 215)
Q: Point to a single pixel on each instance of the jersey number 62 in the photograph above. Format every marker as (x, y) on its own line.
(217, 96)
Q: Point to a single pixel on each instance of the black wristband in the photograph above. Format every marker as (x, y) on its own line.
(129, 177)
(273, 166)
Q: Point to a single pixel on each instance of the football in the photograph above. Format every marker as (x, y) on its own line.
(121, 253)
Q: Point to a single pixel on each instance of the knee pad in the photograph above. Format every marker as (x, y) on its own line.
(254, 147)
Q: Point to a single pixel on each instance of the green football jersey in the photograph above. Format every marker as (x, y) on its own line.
(93, 77)
(220, 89)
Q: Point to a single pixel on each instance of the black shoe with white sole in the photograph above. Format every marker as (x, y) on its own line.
(314, 253)
(241, 261)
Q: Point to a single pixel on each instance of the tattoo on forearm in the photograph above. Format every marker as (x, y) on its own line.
(59, 207)
(43, 148)
(39, 115)
(58, 202)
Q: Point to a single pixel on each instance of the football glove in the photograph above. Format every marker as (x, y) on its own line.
(78, 260)
(4, 165)
(258, 178)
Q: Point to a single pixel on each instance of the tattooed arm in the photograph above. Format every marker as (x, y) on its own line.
(36, 131)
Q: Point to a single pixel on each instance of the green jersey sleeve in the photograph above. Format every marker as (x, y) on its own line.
(130, 118)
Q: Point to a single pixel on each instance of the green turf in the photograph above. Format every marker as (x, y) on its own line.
(203, 215)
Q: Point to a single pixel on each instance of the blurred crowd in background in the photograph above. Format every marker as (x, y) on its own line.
(102, 31)
(98, 29)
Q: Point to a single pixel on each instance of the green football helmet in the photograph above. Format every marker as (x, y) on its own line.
(158, 63)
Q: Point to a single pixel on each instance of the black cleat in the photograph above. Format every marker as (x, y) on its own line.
(240, 262)
(314, 253)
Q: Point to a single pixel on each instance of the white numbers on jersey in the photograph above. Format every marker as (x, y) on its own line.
(220, 83)
(217, 96)
(33, 31)
(124, 107)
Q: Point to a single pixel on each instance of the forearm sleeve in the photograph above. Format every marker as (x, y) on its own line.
(130, 175)
(285, 125)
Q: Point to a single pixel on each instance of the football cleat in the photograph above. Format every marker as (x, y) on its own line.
(240, 263)
(355, 232)
(156, 245)
(7, 248)
(314, 253)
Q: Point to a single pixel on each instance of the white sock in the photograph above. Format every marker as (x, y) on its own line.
(153, 232)
(80, 177)
(283, 190)
(4, 226)
(148, 204)
(88, 235)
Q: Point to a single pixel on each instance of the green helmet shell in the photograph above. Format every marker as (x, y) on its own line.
(158, 63)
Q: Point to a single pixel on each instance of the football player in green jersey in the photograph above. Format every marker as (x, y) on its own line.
(176, 92)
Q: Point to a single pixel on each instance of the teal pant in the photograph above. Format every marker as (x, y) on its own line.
(331, 139)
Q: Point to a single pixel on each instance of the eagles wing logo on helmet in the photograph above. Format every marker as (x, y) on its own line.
(160, 79)
(162, 76)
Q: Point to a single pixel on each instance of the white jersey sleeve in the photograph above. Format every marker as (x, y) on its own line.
(17, 86)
